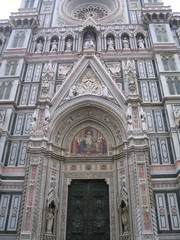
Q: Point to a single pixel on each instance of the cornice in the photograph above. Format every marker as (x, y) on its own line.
(5, 26)
(25, 19)
(156, 14)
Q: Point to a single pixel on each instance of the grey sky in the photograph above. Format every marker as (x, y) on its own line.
(8, 6)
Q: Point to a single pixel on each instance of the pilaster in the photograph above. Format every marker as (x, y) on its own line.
(143, 212)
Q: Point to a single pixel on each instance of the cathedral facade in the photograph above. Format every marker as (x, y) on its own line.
(90, 121)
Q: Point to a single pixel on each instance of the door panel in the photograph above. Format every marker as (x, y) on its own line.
(88, 210)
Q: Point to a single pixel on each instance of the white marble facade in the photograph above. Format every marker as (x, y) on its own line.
(90, 92)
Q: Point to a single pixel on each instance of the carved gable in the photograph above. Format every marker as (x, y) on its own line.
(88, 77)
(89, 83)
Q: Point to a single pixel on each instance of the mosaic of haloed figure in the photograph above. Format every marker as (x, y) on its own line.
(89, 141)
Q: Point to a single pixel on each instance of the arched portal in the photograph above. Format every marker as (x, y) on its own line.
(89, 133)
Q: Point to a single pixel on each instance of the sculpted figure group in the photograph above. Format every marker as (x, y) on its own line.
(89, 42)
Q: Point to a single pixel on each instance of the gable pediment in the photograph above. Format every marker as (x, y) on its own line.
(89, 83)
(88, 77)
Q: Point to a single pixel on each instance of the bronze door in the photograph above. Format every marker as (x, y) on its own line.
(88, 210)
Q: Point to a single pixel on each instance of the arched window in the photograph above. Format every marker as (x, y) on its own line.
(169, 63)
(5, 90)
(161, 33)
(29, 3)
(11, 68)
(19, 40)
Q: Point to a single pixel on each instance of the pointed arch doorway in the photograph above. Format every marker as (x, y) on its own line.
(88, 210)
(89, 136)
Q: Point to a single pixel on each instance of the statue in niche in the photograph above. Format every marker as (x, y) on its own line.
(33, 123)
(140, 43)
(39, 46)
(69, 44)
(110, 43)
(89, 41)
(129, 120)
(54, 46)
(123, 205)
(50, 220)
(46, 121)
(126, 43)
(143, 119)
(124, 216)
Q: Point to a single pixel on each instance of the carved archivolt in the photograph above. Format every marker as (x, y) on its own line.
(69, 125)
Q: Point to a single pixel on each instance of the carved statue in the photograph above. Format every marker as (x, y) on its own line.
(47, 76)
(104, 91)
(39, 46)
(89, 41)
(123, 205)
(47, 114)
(130, 75)
(110, 44)
(46, 126)
(143, 119)
(129, 119)
(140, 42)
(176, 112)
(72, 92)
(125, 43)
(124, 216)
(50, 221)
(33, 126)
(63, 70)
(69, 44)
(54, 46)
(33, 123)
(2, 116)
(115, 68)
(48, 72)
